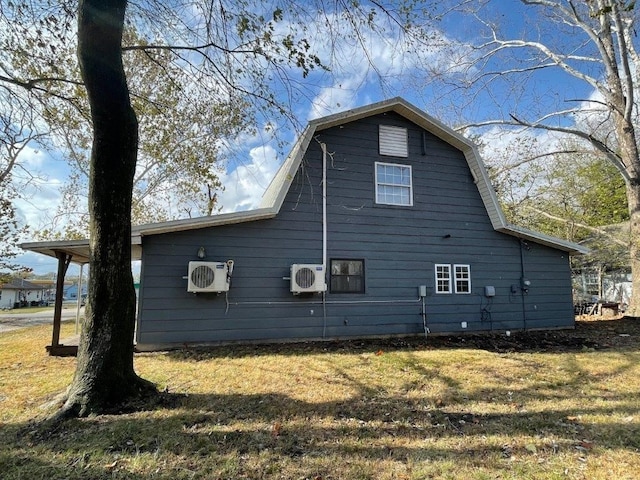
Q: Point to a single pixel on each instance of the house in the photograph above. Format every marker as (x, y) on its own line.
(71, 292)
(20, 293)
(382, 221)
(603, 277)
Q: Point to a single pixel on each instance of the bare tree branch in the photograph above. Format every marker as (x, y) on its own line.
(590, 228)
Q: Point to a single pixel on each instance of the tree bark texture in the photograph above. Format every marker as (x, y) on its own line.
(105, 377)
(633, 198)
(628, 147)
(620, 95)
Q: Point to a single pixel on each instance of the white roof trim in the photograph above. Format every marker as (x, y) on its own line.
(541, 238)
(77, 249)
(203, 222)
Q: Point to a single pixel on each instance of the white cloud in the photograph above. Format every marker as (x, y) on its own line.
(40, 201)
(336, 98)
(36, 182)
(504, 145)
(32, 158)
(382, 63)
(245, 185)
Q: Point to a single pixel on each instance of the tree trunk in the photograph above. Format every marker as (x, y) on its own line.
(105, 377)
(633, 197)
(621, 96)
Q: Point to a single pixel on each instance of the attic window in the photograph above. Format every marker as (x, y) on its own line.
(393, 184)
(393, 141)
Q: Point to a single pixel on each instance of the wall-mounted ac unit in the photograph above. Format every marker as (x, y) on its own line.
(307, 278)
(208, 277)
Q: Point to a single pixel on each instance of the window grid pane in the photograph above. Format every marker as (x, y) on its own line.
(463, 278)
(443, 278)
(393, 184)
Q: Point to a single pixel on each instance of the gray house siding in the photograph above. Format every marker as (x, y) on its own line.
(400, 246)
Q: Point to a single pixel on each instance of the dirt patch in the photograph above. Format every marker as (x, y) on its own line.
(590, 333)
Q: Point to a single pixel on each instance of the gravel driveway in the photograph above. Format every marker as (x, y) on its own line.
(16, 320)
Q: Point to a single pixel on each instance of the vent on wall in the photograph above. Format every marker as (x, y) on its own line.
(208, 277)
(393, 141)
(307, 278)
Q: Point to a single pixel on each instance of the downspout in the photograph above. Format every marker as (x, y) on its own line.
(522, 285)
(324, 235)
(424, 318)
(324, 205)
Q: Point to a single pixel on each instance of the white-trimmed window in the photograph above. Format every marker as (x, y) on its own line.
(453, 278)
(393, 141)
(393, 184)
(443, 278)
(462, 280)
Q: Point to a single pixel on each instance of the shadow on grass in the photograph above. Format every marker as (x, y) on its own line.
(273, 435)
(205, 432)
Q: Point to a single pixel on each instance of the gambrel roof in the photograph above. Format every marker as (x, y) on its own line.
(276, 191)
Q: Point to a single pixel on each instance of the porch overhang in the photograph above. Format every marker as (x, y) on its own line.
(76, 250)
(67, 252)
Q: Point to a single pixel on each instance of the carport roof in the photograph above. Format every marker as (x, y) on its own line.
(77, 250)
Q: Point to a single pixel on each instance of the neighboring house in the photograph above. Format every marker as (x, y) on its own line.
(597, 285)
(381, 222)
(20, 293)
(71, 292)
(604, 275)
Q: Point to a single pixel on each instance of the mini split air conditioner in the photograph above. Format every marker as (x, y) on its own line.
(307, 278)
(209, 276)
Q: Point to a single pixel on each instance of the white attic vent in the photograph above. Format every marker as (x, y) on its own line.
(208, 277)
(393, 141)
(307, 278)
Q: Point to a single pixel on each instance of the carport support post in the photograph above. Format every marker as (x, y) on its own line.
(79, 302)
(63, 264)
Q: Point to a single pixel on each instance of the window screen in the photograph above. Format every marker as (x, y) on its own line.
(347, 276)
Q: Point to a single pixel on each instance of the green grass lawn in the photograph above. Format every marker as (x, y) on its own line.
(444, 408)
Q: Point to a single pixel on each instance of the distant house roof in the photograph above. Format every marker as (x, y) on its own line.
(17, 284)
(275, 193)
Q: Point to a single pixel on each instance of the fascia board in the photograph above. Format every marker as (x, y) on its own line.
(202, 222)
(274, 195)
(78, 249)
(548, 240)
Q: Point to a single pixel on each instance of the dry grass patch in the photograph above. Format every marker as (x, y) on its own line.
(534, 406)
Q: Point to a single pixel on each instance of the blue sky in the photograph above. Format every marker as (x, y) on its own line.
(424, 76)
